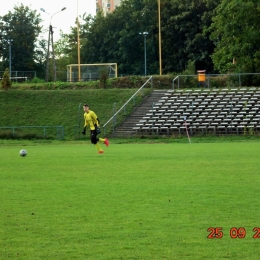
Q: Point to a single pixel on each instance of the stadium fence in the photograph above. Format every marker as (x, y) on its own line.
(32, 132)
(217, 80)
(20, 76)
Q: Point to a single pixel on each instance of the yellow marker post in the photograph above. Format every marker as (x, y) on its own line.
(201, 77)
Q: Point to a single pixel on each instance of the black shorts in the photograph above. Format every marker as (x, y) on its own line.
(93, 136)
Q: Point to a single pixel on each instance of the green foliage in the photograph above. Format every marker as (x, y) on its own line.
(184, 35)
(218, 82)
(190, 68)
(66, 51)
(116, 38)
(120, 82)
(22, 26)
(103, 77)
(6, 81)
(36, 80)
(235, 31)
(66, 48)
(205, 32)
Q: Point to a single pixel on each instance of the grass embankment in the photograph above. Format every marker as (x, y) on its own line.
(159, 82)
(60, 107)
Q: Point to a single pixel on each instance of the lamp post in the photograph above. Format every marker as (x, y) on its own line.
(160, 38)
(79, 72)
(144, 34)
(9, 41)
(50, 38)
(10, 57)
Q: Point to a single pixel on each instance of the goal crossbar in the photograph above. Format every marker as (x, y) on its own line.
(90, 71)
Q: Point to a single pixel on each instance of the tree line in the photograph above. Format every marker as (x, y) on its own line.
(218, 36)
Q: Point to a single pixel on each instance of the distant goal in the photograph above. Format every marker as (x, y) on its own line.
(88, 72)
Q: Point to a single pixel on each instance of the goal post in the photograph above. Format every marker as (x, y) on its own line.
(90, 72)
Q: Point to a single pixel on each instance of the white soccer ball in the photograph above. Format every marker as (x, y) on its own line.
(23, 153)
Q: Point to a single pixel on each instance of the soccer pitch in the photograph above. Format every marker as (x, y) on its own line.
(135, 201)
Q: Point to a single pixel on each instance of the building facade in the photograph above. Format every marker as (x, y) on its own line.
(107, 6)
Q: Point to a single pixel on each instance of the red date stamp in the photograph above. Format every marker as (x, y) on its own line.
(217, 232)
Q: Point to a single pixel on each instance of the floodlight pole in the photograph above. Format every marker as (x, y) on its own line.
(50, 39)
(47, 57)
(10, 57)
(144, 34)
(160, 37)
(79, 74)
(9, 41)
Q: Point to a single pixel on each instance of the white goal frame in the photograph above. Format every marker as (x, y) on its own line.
(73, 71)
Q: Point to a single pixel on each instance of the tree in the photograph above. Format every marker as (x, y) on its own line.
(6, 82)
(63, 55)
(235, 31)
(66, 48)
(22, 26)
(184, 34)
(115, 37)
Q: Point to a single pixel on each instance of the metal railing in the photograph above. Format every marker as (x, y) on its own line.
(20, 75)
(25, 130)
(113, 119)
(233, 80)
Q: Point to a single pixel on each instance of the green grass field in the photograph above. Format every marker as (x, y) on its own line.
(135, 201)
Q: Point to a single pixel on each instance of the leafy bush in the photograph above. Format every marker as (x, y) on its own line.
(103, 78)
(6, 81)
(36, 80)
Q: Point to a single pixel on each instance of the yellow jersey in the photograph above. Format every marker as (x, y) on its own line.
(91, 120)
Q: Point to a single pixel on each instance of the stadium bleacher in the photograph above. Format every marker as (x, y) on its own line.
(218, 111)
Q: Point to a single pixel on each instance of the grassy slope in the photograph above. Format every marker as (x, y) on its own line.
(58, 107)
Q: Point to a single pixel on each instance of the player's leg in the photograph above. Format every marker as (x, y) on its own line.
(104, 140)
(94, 140)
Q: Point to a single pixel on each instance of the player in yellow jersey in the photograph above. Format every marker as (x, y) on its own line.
(92, 121)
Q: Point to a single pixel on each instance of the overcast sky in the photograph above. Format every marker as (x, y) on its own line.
(61, 21)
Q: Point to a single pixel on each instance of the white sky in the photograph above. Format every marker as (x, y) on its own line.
(61, 21)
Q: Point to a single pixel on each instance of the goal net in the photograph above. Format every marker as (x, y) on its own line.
(88, 72)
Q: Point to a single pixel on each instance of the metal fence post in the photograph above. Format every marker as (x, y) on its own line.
(57, 132)
(133, 101)
(153, 117)
(114, 118)
(192, 117)
(79, 119)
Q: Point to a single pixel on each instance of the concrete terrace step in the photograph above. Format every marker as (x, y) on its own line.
(208, 113)
(126, 128)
